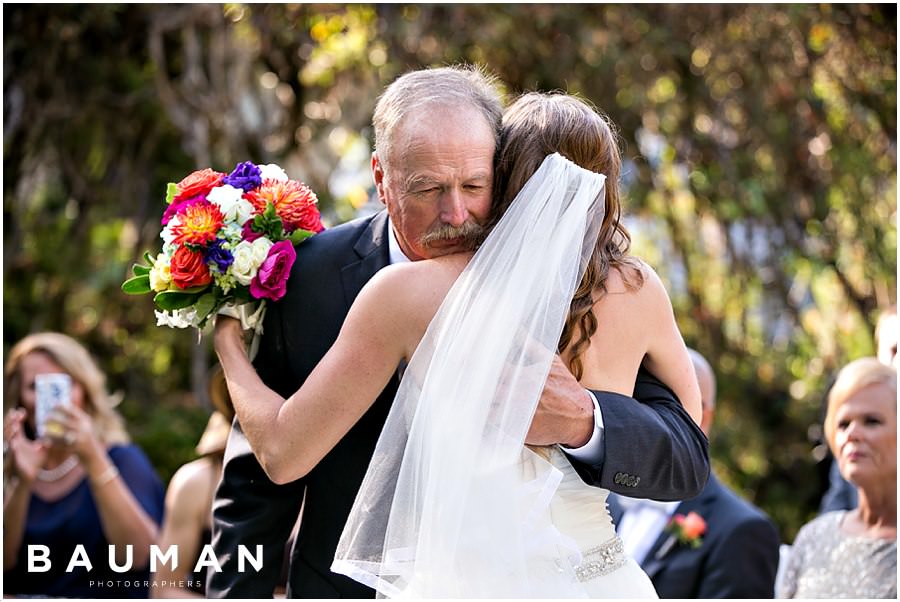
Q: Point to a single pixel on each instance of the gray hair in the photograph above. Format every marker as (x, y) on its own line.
(457, 85)
(706, 379)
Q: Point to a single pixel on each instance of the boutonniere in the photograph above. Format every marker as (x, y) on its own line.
(688, 530)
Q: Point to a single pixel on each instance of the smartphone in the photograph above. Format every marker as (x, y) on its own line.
(51, 390)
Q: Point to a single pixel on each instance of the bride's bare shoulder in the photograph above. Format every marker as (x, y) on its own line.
(633, 286)
(417, 284)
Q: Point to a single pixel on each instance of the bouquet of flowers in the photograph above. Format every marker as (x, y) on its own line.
(228, 245)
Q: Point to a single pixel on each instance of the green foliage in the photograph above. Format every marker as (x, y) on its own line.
(139, 285)
(298, 236)
(268, 223)
(759, 175)
(170, 300)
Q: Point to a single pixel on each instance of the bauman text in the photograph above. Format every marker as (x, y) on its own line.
(39, 559)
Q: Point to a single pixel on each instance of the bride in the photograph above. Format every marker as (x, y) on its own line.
(453, 504)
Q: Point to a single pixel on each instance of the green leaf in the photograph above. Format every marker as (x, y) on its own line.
(171, 191)
(298, 236)
(148, 257)
(169, 300)
(269, 224)
(139, 285)
(205, 304)
(140, 270)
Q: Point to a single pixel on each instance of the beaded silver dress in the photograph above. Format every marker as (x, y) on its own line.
(826, 562)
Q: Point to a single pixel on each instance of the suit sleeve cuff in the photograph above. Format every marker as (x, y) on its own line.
(592, 451)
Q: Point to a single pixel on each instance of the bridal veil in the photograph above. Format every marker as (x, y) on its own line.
(453, 505)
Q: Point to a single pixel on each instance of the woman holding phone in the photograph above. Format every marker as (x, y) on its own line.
(75, 484)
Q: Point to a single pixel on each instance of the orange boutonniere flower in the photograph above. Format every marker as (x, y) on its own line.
(688, 530)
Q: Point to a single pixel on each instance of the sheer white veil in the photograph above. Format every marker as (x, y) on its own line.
(453, 505)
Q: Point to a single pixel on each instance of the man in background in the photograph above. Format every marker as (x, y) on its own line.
(729, 548)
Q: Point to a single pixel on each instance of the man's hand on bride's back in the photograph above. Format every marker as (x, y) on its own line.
(565, 412)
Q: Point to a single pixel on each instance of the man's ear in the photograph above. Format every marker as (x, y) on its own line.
(378, 176)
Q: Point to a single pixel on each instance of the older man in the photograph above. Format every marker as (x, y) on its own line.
(435, 133)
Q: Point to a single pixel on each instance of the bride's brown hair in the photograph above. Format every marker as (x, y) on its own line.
(535, 126)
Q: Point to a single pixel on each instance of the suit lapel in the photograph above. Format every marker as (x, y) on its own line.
(370, 255)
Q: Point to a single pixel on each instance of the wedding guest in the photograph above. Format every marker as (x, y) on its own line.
(88, 486)
(841, 495)
(853, 553)
(728, 547)
(329, 272)
(188, 522)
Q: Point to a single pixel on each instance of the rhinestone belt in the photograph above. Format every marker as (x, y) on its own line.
(601, 560)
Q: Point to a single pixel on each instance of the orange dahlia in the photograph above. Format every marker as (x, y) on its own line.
(294, 203)
(198, 224)
(197, 183)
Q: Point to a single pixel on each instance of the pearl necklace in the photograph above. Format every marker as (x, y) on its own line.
(55, 474)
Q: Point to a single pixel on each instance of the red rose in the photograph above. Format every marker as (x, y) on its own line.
(188, 269)
(198, 183)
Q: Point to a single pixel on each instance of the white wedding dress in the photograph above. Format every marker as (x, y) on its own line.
(579, 511)
(453, 505)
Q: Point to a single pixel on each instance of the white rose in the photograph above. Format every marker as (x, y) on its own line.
(272, 172)
(260, 248)
(243, 211)
(167, 235)
(243, 268)
(160, 273)
(248, 256)
(234, 207)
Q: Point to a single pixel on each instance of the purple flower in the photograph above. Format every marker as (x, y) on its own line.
(216, 254)
(177, 206)
(248, 233)
(246, 176)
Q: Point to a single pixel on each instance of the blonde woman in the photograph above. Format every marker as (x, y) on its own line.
(88, 486)
(853, 553)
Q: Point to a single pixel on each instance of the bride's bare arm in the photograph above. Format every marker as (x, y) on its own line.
(667, 357)
(289, 437)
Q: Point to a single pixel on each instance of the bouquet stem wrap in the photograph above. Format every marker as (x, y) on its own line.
(251, 317)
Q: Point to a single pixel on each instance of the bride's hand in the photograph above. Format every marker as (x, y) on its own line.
(228, 334)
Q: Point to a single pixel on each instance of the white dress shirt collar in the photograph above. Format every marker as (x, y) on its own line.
(395, 253)
(641, 524)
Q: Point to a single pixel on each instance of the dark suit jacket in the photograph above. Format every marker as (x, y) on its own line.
(737, 559)
(653, 448)
(841, 494)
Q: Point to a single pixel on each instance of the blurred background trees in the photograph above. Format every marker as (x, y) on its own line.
(760, 180)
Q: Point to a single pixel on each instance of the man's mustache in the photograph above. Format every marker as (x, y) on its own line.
(469, 232)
